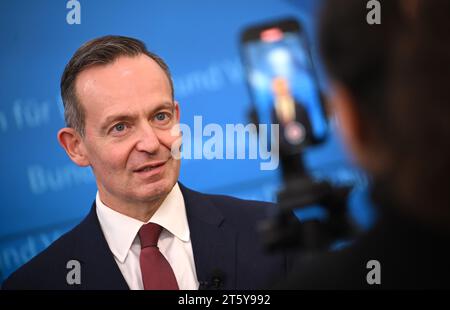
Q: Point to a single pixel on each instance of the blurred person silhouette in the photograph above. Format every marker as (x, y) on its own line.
(389, 92)
(289, 112)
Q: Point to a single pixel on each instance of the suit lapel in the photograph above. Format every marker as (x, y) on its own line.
(99, 270)
(213, 241)
(213, 245)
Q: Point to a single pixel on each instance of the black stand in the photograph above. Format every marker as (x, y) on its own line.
(285, 231)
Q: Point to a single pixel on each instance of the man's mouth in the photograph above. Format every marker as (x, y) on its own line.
(146, 169)
(150, 166)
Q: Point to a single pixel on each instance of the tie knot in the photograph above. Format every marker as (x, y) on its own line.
(149, 235)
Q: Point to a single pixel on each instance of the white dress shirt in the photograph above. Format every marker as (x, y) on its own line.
(174, 242)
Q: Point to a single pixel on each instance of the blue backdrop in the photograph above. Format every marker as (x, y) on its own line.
(43, 194)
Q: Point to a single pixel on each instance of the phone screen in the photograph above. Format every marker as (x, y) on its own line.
(282, 81)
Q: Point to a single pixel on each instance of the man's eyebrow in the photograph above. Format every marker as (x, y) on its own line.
(162, 105)
(165, 104)
(116, 117)
(131, 117)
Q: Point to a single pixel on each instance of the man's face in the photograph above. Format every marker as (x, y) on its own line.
(129, 116)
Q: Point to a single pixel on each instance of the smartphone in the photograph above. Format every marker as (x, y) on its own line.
(282, 82)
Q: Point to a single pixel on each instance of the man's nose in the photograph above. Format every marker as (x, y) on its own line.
(148, 140)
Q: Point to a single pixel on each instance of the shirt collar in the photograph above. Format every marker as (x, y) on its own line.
(121, 230)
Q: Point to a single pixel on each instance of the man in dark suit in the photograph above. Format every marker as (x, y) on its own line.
(288, 112)
(226, 252)
(144, 230)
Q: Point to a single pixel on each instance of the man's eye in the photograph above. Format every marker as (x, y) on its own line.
(161, 117)
(119, 127)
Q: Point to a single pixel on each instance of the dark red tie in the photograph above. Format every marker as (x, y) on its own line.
(156, 271)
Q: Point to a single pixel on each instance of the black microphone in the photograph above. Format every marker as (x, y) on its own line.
(215, 282)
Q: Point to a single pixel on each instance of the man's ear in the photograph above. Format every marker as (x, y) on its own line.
(72, 143)
(177, 111)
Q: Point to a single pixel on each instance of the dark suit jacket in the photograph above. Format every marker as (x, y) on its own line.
(227, 250)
